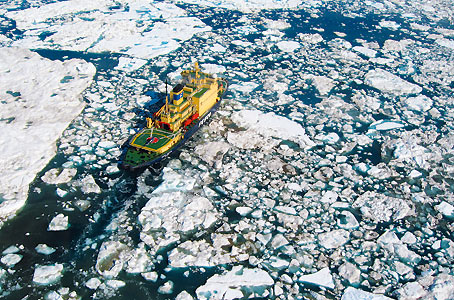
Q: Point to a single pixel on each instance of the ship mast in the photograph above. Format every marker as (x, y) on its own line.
(167, 100)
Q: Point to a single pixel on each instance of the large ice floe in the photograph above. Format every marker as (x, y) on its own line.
(128, 27)
(40, 98)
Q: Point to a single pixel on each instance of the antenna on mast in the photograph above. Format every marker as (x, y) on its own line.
(167, 100)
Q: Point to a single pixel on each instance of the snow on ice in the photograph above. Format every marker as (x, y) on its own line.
(238, 283)
(390, 83)
(96, 28)
(33, 89)
(58, 223)
(47, 275)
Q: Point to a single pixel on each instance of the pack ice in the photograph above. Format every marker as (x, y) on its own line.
(131, 29)
(40, 98)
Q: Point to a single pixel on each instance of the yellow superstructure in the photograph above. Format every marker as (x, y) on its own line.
(187, 102)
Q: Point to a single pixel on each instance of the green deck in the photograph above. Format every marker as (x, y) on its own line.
(140, 140)
(200, 93)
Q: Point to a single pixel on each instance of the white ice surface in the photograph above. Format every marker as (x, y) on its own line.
(267, 125)
(333, 239)
(445, 208)
(93, 283)
(10, 260)
(385, 125)
(352, 293)
(248, 6)
(44, 249)
(288, 46)
(235, 284)
(320, 278)
(419, 103)
(365, 51)
(390, 83)
(47, 88)
(46, 275)
(58, 223)
(79, 25)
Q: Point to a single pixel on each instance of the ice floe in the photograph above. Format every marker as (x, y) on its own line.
(352, 293)
(267, 125)
(58, 223)
(288, 46)
(47, 275)
(130, 30)
(320, 278)
(44, 249)
(390, 83)
(383, 208)
(238, 283)
(10, 260)
(34, 89)
(333, 239)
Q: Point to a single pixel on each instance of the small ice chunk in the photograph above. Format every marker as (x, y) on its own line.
(235, 283)
(150, 276)
(390, 83)
(93, 283)
(329, 197)
(333, 239)
(11, 249)
(166, 288)
(352, 293)
(347, 220)
(365, 51)
(218, 48)
(445, 208)
(10, 260)
(184, 296)
(61, 193)
(323, 84)
(294, 187)
(409, 238)
(110, 258)
(381, 207)
(212, 68)
(330, 138)
(58, 223)
(350, 272)
(389, 24)
(88, 185)
(243, 210)
(415, 174)
(44, 249)
(288, 46)
(320, 278)
(411, 290)
(115, 284)
(385, 125)
(445, 43)
(57, 176)
(107, 144)
(419, 103)
(139, 262)
(47, 275)
(288, 210)
(275, 263)
(112, 170)
(278, 241)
